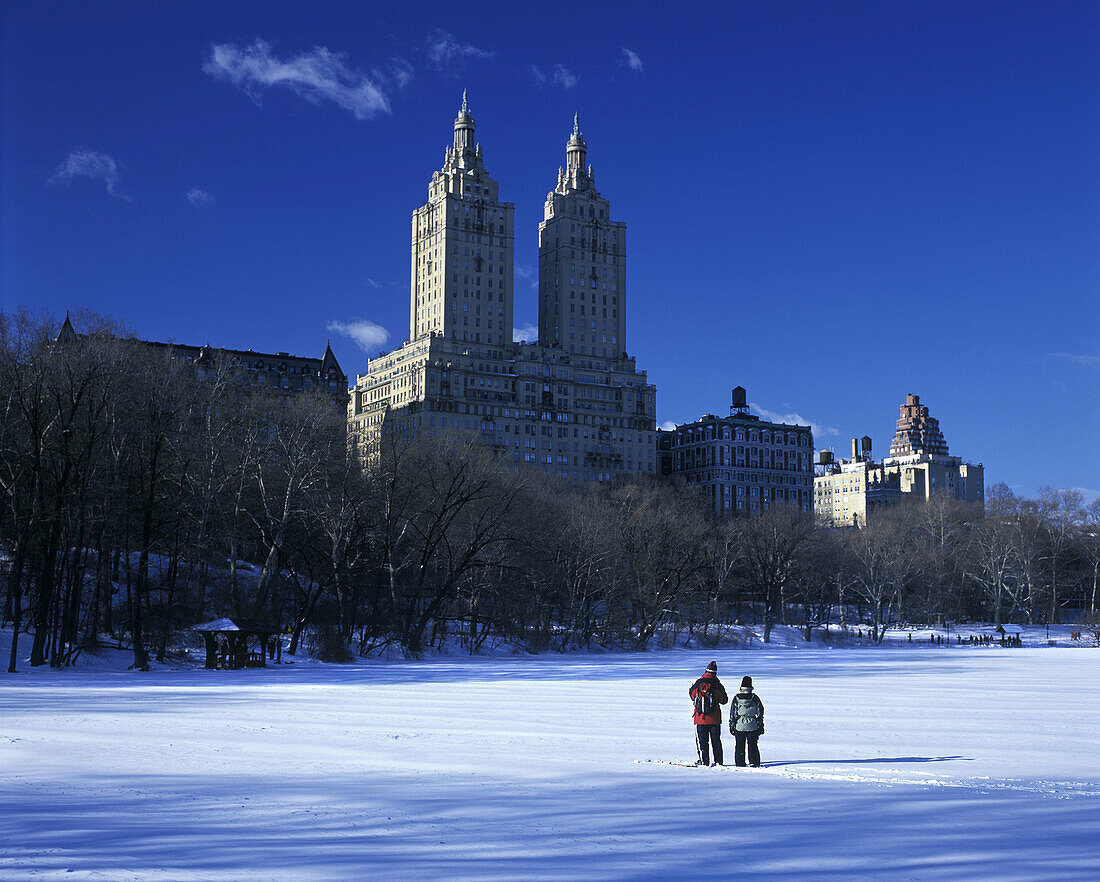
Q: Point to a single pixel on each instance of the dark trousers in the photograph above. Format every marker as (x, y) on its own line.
(750, 739)
(705, 736)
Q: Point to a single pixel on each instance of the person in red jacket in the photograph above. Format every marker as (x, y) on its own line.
(707, 697)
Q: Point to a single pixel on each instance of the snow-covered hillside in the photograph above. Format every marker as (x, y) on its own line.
(919, 763)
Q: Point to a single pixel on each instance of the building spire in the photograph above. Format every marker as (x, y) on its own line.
(575, 152)
(464, 147)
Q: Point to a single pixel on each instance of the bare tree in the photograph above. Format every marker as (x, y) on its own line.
(883, 555)
(770, 544)
(292, 464)
(993, 562)
(446, 505)
(822, 577)
(1060, 513)
(1088, 542)
(660, 532)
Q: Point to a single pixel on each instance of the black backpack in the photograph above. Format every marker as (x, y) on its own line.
(704, 697)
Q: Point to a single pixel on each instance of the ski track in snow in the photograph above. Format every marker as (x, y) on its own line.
(898, 765)
(887, 777)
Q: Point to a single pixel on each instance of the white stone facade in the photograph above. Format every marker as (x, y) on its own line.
(461, 279)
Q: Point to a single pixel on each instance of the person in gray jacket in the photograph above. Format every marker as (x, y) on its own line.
(746, 723)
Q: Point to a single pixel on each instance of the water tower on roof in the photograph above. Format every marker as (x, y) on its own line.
(739, 405)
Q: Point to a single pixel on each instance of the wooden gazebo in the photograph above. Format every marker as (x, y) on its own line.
(229, 643)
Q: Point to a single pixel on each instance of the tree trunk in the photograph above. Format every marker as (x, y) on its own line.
(1092, 601)
(303, 620)
(137, 620)
(71, 616)
(234, 591)
(1053, 595)
(16, 581)
(15, 584)
(472, 632)
(840, 599)
(173, 567)
(56, 610)
(91, 633)
(39, 649)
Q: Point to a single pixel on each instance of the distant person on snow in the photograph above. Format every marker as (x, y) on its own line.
(707, 695)
(746, 723)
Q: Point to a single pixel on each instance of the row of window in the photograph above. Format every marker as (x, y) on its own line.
(681, 438)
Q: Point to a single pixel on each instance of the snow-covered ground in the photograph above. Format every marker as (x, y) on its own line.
(880, 763)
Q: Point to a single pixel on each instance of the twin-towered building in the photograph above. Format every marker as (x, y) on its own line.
(573, 405)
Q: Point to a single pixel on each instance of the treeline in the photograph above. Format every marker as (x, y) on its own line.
(141, 494)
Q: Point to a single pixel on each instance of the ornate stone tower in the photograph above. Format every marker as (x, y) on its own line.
(462, 249)
(582, 263)
(917, 431)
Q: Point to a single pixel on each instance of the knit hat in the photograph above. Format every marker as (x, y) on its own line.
(746, 682)
(713, 667)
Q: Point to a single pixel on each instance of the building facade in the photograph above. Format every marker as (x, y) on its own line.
(462, 249)
(744, 464)
(278, 372)
(848, 492)
(582, 412)
(582, 263)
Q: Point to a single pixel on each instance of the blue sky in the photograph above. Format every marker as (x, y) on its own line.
(831, 204)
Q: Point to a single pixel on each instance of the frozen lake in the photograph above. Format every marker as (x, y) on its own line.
(879, 764)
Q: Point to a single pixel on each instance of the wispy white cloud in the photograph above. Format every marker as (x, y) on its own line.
(446, 52)
(668, 426)
(318, 75)
(1081, 358)
(401, 73)
(524, 271)
(372, 283)
(564, 77)
(367, 334)
(92, 165)
(527, 334)
(630, 59)
(771, 416)
(559, 76)
(199, 197)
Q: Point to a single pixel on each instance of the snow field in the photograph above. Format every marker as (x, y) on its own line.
(897, 764)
